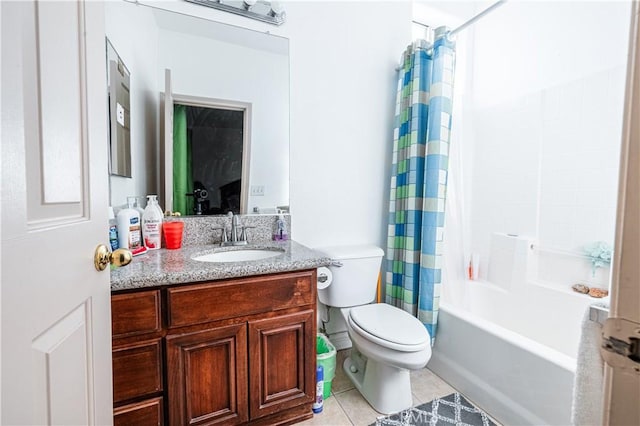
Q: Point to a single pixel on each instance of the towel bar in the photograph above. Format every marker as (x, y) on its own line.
(598, 313)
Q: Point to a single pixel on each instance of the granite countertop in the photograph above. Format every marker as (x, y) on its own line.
(163, 267)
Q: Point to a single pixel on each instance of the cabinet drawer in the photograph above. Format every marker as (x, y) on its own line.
(135, 313)
(198, 304)
(145, 413)
(137, 370)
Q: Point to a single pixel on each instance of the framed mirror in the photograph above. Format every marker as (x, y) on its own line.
(207, 60)
(118, 82)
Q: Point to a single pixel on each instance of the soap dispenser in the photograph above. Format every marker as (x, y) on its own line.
(280, 232)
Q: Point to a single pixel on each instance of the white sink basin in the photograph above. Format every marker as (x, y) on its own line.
(238, 255)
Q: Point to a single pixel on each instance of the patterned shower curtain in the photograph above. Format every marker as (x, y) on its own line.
(419, 179)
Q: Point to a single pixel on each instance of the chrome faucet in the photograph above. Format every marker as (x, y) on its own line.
(238, 233)
(234, 227)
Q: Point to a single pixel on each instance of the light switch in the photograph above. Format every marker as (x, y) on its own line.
(257, 190)
(120, 114)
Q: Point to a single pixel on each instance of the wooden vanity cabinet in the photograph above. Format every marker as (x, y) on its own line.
(137, 357)
(236, 351)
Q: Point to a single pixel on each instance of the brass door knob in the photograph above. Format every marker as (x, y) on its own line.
(103, 256)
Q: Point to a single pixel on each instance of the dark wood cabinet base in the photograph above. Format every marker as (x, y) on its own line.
(233, 352)
(285, 417)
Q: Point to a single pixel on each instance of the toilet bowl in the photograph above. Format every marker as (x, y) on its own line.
(387, 342)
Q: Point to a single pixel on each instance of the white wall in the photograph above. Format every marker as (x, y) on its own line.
(133, 33)
(343, 84)
(548, 86)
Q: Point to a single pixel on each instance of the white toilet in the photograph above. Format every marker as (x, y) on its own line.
(387, 341)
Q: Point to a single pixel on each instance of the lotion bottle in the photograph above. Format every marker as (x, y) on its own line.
(136, 204)
(129, 235)
(152, 223)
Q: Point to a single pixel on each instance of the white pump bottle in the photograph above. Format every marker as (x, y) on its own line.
(152, 223)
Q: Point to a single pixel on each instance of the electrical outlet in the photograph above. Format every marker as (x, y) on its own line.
(257, 190)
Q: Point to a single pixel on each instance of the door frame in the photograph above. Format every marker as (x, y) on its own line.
(212, 103)
(622, 376)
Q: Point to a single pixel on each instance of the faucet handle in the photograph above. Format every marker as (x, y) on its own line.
(224, 232)
(243, 236)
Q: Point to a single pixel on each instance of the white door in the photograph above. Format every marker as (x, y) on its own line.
(622, 329)
(56, 344)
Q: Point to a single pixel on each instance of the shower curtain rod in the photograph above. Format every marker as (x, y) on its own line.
(461, 27)
(475, 18)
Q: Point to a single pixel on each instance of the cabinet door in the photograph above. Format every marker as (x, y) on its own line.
(144, 413)
(282, 359)
(137, 370)
(207, 375)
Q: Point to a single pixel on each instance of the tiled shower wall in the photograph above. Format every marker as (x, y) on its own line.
(546, 167)
(543, 113)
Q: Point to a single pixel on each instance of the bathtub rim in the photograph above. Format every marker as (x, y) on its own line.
(525, 343)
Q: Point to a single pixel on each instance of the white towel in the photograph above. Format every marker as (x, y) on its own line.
(586, 409)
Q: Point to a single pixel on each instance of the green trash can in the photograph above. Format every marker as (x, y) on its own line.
(326, 357)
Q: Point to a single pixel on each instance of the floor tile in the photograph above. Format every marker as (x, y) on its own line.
(332, 414)
(357, 408)
(341, 382)
(347, 406)
(426, 386)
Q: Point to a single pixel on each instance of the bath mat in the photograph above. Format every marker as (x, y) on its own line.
(451, 409)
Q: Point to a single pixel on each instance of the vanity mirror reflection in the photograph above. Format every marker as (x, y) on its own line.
(212, 65)
(119, 114)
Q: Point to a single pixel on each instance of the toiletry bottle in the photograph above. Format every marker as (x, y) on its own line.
(152, 223)
(318, 403)
(137, 205)
(129, 235)
(475, 262)
(280, 233)
(113, 230)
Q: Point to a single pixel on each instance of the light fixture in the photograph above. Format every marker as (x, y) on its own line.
(277, 10)
(261, 10)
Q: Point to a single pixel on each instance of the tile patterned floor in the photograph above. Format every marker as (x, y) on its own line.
(347, 407)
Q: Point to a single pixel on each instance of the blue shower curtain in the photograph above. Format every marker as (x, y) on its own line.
(419, 179)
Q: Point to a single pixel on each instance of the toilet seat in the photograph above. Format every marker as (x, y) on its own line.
(389, 327)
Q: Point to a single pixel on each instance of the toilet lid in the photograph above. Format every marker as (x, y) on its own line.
(390, 324)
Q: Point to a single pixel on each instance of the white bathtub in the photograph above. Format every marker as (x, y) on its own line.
(511, 352)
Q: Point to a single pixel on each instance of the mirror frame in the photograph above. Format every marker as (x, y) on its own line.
(119, 165)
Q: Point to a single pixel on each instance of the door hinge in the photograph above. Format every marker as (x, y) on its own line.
(621, 344)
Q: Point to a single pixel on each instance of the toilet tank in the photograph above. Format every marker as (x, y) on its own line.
(356, 281)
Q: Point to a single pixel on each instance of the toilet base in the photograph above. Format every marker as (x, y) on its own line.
(386, 388)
